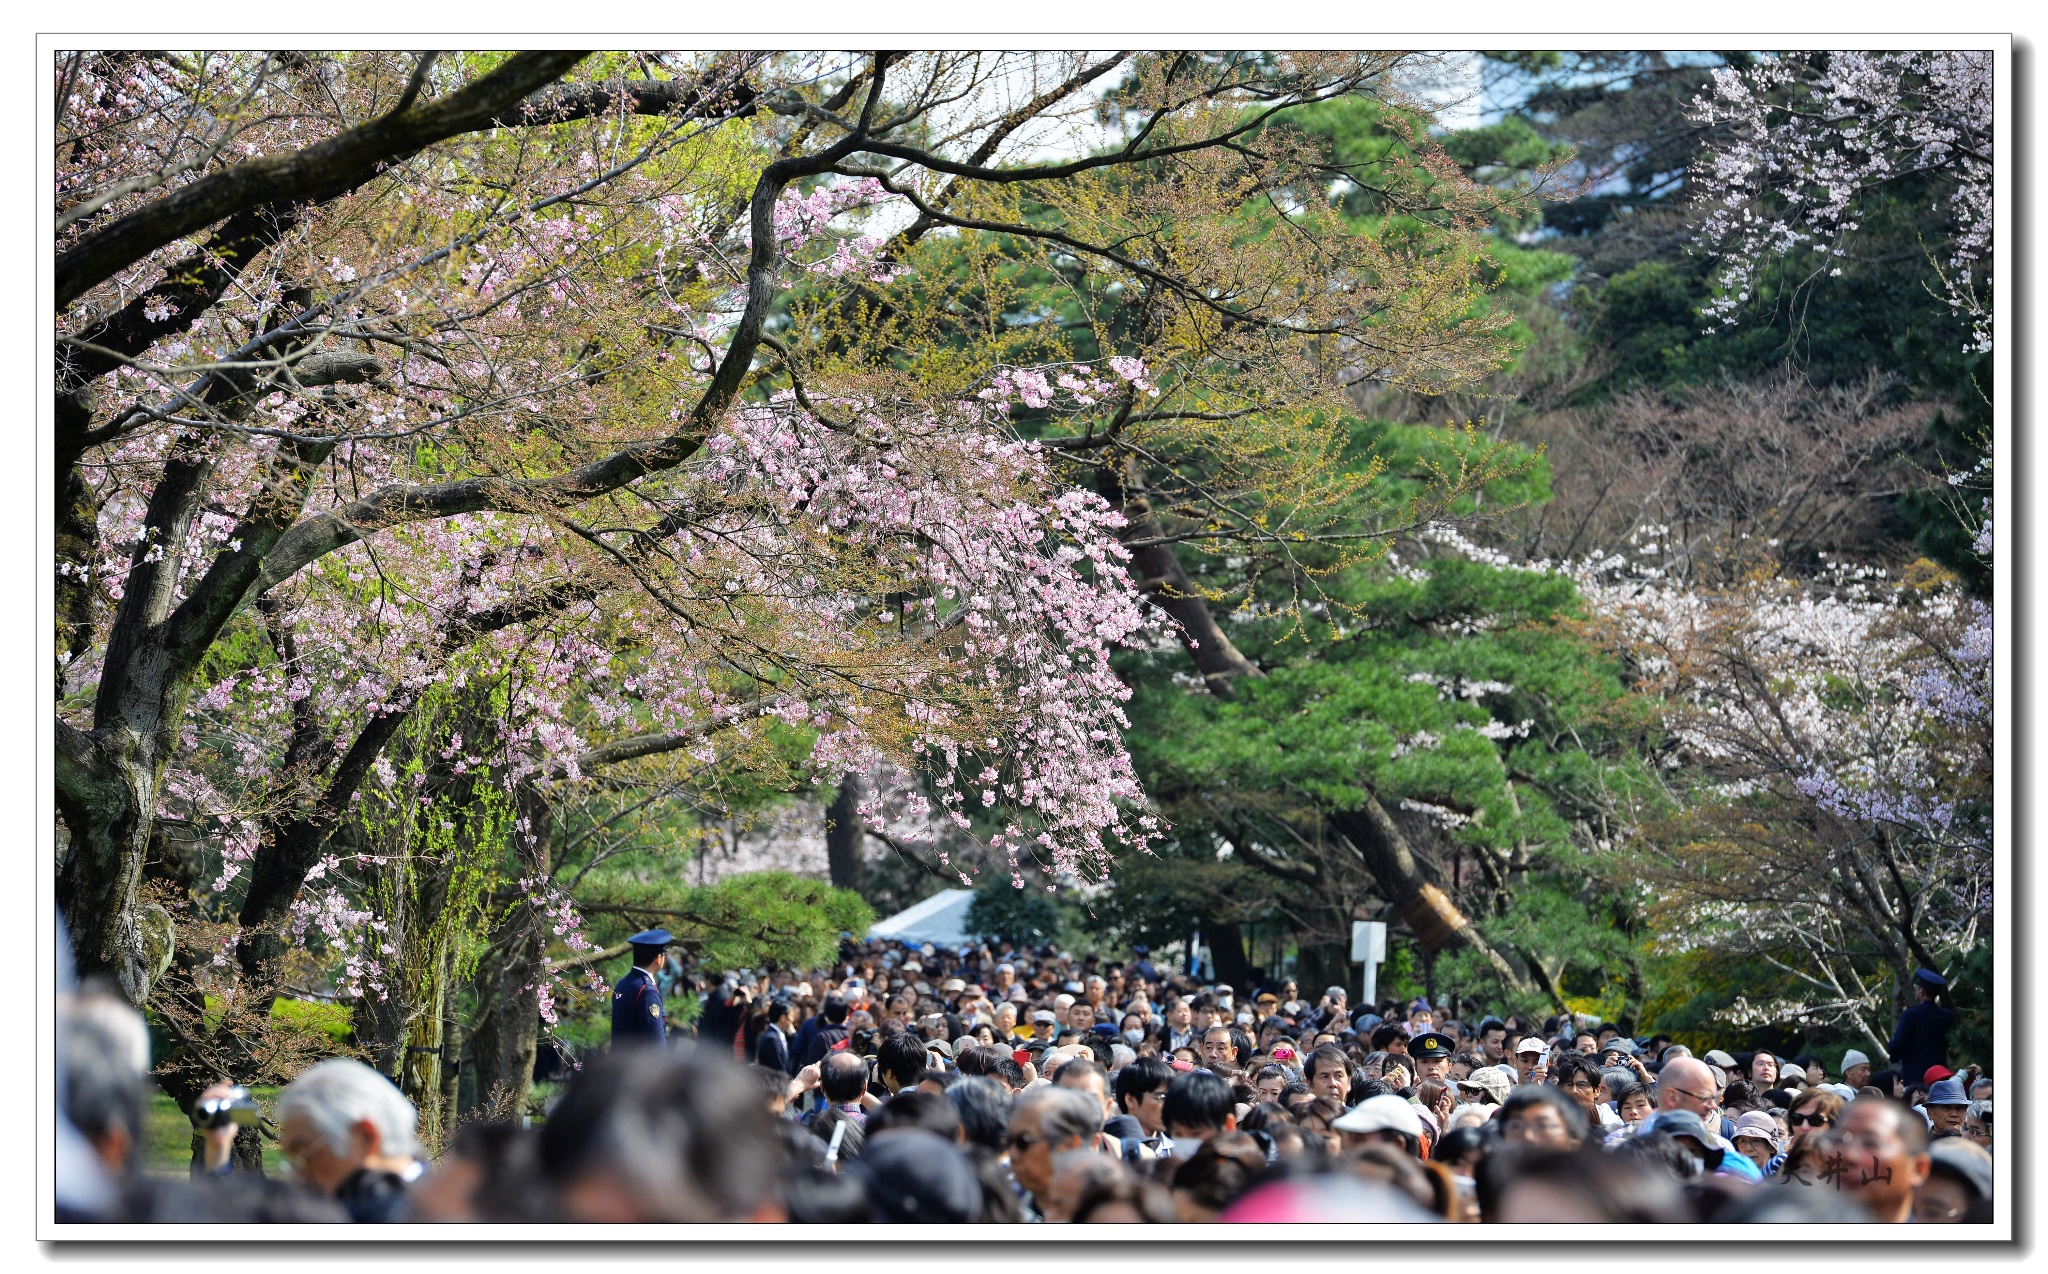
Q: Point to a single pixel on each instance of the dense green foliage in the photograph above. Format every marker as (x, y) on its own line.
(1522, 830)
(1456, 687)
(1002, 911)
(1635, 299)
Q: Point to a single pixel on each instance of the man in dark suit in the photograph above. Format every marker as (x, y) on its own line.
(773, 1048)
(636, 998)
(830, 1032)
(1921, 1039)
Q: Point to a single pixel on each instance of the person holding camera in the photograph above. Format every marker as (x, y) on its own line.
(220, 1114)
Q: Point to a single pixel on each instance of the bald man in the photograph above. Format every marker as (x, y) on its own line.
(1686, 1083)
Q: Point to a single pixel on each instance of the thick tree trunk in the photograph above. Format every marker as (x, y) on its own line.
(290, 844)
(1226, 948)
(77, 540)
(419, 1073)
(1428, 912)
(108, 778)
(1162, 579)
(845, 841)
(429, 960)
(506, 1037)
(1318, 966)
(507, 1034)
(105, 801)
(451, 1054)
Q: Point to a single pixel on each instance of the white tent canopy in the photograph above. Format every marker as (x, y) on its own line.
(940, 919)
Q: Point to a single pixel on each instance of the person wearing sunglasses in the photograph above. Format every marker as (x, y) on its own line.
(1048, 1122)
(1810, 1112)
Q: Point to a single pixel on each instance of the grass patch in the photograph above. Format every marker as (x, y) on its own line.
(333, 1020)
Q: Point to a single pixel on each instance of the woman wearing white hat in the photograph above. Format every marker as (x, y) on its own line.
(1756, 1137)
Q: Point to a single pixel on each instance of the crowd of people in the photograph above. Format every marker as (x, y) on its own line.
(980, 1084)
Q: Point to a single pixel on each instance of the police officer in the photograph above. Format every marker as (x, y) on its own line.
(636, 998)
(1921, 1039)
(1145, 968)
(1432, 1052)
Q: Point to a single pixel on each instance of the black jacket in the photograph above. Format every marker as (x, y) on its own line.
(821, 1044)
(372, 1197)
(1921, 1039)
(637, 1010)
(773, 1050)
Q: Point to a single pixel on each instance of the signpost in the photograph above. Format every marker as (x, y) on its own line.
(1369, 947)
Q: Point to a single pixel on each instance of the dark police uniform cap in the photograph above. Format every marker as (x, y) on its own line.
(1929, 978)
(651, 938)
(1431, 1045)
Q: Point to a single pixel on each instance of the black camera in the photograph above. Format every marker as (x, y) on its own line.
(235, 1107)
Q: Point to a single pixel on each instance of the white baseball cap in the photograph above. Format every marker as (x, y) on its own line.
(1384, 1112)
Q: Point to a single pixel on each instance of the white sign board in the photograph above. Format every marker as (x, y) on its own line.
(1368, 941)
(1369, 948)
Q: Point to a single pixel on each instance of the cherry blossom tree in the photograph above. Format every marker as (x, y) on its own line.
(1827, 783)
(545, 418)
(1811, 136)
(1831, 773)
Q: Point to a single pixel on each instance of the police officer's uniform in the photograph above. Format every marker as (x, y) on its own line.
(636, 998)
(1921, 1038)
(1432, 1046)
